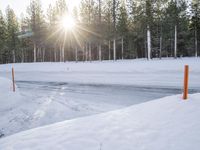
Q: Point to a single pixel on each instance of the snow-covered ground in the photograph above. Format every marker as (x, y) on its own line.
(165, 124)
(53, 92)
(166, 72)
(10, 104)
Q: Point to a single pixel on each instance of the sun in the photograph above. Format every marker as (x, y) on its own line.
(68, 23)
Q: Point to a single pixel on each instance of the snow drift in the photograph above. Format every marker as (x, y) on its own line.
(163, 124)
(10, 103)
(8, 98)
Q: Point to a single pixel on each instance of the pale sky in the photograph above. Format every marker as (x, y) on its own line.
(20, 6)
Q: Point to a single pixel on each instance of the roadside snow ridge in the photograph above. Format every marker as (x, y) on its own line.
(164, 124)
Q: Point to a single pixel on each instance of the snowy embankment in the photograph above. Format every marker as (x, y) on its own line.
(63, 91)
(7, 94)
(165, 124)
(10, 102)
(158, 73)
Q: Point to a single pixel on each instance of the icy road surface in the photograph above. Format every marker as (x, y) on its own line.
(54, 92)
(45, 103)
(57, 101)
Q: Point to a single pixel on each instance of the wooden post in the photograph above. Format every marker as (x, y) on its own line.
(13, 79)
(186, 77)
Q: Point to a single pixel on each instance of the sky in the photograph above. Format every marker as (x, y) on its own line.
(20, 6)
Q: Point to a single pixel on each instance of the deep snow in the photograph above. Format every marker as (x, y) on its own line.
(165, 124)
(158, 73)
(53, 92)
(11, 109)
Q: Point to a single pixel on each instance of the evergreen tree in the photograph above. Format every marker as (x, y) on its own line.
(122, 27)
(137, 36)
(195, 23)
(3, 35)
(107, 21)
(183, 44)
(170, 28)
(36, 21)
(52, 32)
(149, 20)
(12, 30)
(88, 21)
(114, 28)
(150, 28)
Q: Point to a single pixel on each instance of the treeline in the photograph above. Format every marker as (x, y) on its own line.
(105, 30)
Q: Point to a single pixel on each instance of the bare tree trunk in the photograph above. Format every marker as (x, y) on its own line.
(99, 47)
(148, 43)
(25, 55)
(160, 42)
(55, 58)
(109, 47)
(13, 56)
(63, 53)
(171, 46)
(114, 49)
(76, 54)
(43, 55)
(60, 53)
(35, 52)
(122, 48)
(86, 52)
(196, 43)
(145, 49)
(38, 54)
(22, 55)
(114, 26)
(175, 42)
(90, 52)
(160, 47)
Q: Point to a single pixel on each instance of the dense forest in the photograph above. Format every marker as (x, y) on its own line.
(104, 30)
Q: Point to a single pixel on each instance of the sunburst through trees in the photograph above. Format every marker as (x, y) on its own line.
(100, 30)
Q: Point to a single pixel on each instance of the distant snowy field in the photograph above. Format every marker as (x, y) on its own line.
(166, 72)
(53, 92)
(164, 124)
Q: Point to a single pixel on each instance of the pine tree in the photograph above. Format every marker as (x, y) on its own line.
(3, 36)
(36, 21)
(137, 36)
(159, 9)
(107, 21)
(52, 31)
(24, 42)
(114, 28)
(183, 34)
(195, 23)
(122, 26)
(100, 27)
(149, 19)
(12, 30)
(88, 20)
(170, 28)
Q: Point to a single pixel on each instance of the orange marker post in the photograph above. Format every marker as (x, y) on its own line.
(13, 79)
(186, 78)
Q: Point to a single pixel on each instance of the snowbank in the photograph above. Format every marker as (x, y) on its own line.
(165, 124)
(9, 104)
(8, 98)
(166, 72)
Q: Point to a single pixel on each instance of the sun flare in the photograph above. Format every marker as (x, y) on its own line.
(68, 22)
